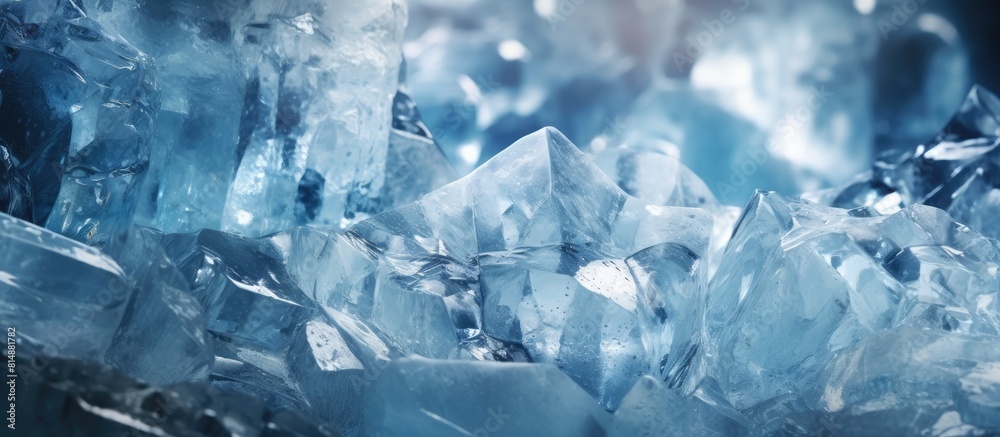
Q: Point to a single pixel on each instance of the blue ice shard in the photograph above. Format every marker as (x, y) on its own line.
(66, 396)
(233, 278)
(162, 318)
(953, 172)
(325, 266)
(420, 397)
(834, 277)
(77, 117)
(908, 381)
(270, 338)
(69, 300)
(538, 249)
(339, 274)
(65, 298)
(414, 166)
(195, 143)
(652, 409)
(316, 90)
(317, 111)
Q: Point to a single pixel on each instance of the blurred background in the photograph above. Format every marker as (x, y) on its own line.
(785, 95)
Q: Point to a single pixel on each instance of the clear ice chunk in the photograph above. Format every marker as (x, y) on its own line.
(64, 297)
(908, 381)
(269, 337)
(340, 274)
(162, 316)
(316, 90)
(195, 143)
(316, 122)
(646, 171)
(69, 300)
(538, 249)
(77, 115)
(421, 397)
(241, 285)
(834, 277)
(952, 172)
(651, 174)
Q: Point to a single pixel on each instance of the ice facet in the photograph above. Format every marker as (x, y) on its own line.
(77, 117)
(241, 285)
(415, 164)
(649, 173)
(69, 300)
(420, 397)
(539, 248)
(835, 277)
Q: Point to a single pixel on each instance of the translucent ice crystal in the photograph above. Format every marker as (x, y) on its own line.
(194, 150)
(60, 295)
(269, 337)
(415, 164)
(162, 316)
(69, 300)
(318, 110)
(835, 277)
(952, 172)
(77, 117)
(539, 249)
(908, 382)
(647, 171)
(265, 103)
